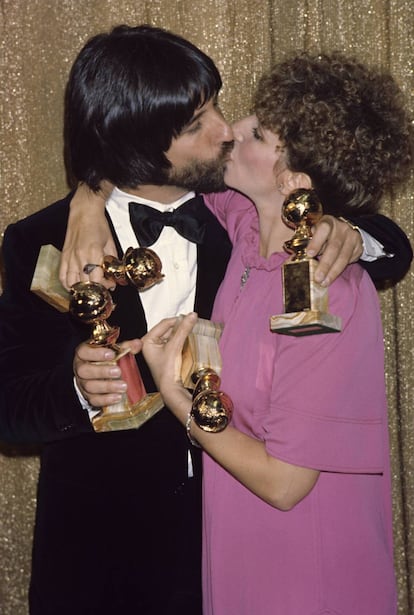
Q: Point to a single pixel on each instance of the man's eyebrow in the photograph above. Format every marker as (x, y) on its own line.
(194, 119)
(197, 116)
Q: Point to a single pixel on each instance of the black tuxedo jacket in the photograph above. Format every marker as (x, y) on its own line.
(118, 520)
(118, 525)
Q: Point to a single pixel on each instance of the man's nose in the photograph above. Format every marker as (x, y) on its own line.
(223, 128)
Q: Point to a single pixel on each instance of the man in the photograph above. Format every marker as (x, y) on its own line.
(118, 515)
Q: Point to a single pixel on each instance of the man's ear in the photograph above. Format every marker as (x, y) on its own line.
(288, 181)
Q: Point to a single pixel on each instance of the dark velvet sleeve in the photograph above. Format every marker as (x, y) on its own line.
(395, 242)
(38, 402)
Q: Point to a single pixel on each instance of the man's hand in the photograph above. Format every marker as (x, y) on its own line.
(97, 374)
(337, 244)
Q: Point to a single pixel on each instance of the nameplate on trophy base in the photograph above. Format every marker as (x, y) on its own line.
(305, 301)
(201, 351)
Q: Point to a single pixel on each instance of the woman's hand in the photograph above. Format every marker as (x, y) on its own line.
(86, 220)
(338, 244)
(280, 484)
(162, 349)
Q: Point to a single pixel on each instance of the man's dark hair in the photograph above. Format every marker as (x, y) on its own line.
(131, 91)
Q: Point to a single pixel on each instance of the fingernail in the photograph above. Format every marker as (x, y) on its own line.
(115, 399)
(115, 372)
(310, 253)
(109, 354)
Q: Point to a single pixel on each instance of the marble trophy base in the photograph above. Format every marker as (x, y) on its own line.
(201, 351)
(136, 406)
(305, 323)
(305, 301)
(46, 283)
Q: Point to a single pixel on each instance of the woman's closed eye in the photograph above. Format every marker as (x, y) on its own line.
(256, 134)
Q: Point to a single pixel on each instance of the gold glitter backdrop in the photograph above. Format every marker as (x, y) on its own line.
(39, 40)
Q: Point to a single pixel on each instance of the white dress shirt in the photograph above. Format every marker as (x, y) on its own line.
(176, 293)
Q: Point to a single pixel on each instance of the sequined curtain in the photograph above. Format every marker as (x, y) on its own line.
(39, 40)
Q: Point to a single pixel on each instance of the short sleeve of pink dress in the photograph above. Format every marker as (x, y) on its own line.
(317, 402)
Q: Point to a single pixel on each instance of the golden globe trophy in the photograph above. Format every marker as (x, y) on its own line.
(211, 409)
(200, 372)
(305, 301)
(140, 267)
(92, 303)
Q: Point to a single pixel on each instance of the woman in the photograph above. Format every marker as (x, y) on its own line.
(297, 498)
(297, 501)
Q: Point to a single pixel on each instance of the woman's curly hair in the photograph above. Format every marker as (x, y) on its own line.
(342, 123)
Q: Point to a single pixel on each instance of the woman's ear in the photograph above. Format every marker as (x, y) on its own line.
(288, 181)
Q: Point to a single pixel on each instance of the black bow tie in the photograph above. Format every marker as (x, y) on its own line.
(187, 220)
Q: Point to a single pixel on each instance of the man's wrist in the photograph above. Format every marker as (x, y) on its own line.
(91, 410)
(372, 249)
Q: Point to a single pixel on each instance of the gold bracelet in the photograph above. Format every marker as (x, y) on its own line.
(352, 226)
(188, 429)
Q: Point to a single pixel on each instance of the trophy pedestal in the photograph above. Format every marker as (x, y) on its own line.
(136, 406)
(201, 351)
(305, 301)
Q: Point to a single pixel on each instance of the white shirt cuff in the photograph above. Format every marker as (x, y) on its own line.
(92, 411)
(372, 248)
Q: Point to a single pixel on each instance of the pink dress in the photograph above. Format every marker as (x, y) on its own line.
(317, 402)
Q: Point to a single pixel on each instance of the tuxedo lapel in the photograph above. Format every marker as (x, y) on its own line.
(129, 313)
(212, 258)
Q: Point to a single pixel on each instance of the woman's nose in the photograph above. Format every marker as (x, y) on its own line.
(243, 127)
(237, 131)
